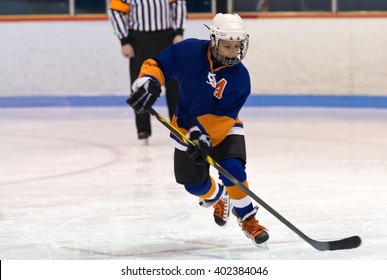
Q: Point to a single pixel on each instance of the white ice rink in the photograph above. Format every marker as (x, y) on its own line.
(75, 184)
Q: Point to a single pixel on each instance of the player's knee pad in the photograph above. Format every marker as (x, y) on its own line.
(236, 167)
(199, 189)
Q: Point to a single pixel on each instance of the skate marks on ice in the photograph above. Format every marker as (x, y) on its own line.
(169, 239)
(76, 184)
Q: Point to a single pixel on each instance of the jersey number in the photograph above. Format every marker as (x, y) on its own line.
(220, 86)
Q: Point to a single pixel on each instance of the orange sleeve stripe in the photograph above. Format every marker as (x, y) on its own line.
(150, 68)
(236, 193)
(211, 190)
(119, 6)
(217, 127)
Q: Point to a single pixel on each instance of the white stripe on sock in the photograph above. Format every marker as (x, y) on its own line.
(240, 203)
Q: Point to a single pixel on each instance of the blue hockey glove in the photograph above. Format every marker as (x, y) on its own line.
(144, 94)
(202, 141)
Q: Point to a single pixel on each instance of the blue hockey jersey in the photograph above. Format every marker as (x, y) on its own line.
(210, 98)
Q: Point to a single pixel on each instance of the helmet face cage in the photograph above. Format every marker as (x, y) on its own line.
(229, 61)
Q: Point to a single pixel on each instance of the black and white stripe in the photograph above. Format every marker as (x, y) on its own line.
(149, 15)
(120, 25)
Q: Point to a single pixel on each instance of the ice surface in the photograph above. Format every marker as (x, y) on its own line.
(75, 183)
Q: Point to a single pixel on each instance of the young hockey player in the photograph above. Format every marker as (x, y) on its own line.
(213, 85)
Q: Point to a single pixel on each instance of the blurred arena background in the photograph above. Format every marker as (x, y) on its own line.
(328, 53)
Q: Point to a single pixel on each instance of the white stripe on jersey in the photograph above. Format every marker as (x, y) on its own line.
(179, 146)
(236, 130)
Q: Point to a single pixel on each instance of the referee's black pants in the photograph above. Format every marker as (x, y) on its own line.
(146, 45)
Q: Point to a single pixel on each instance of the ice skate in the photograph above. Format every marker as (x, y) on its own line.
(143, 137)
(221, 206)
(252, 229)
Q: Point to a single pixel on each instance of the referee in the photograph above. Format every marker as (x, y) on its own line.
(145, 28)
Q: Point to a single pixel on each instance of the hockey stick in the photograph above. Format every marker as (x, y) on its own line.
(346, 243)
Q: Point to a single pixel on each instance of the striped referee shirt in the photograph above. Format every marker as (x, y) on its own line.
(146, 16)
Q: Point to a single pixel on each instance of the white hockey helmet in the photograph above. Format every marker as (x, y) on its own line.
(228, 27)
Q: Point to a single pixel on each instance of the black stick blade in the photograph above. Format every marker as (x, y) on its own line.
(347, 243)
(343, 244)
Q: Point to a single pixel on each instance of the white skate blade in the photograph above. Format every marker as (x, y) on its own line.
(144, 142)
(262, 246)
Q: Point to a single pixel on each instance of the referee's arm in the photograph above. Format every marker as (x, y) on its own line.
(118, 11)
(179, 16)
